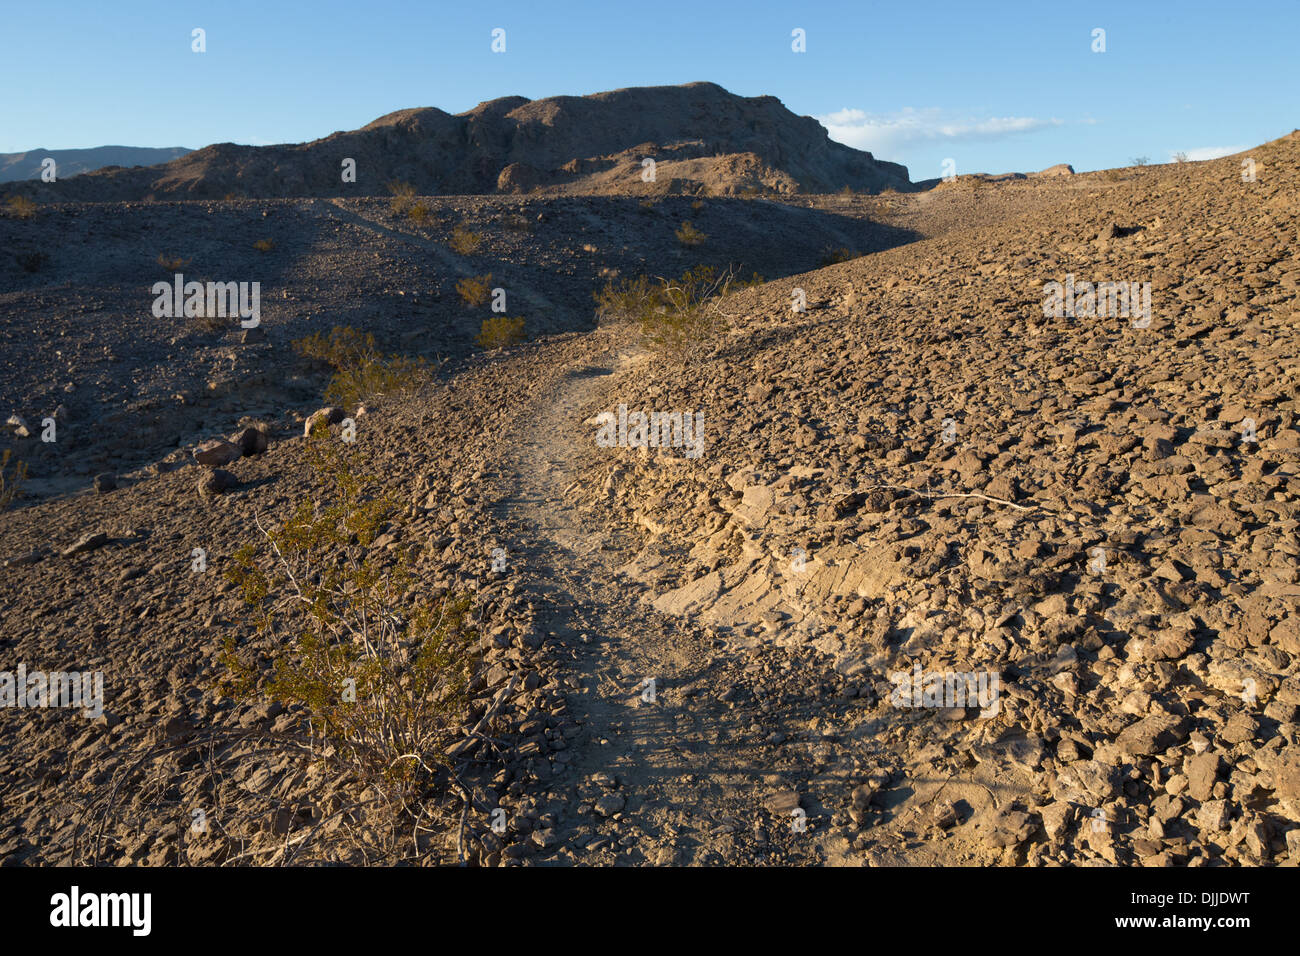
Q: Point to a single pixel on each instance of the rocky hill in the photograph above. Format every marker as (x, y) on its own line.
(704, 140)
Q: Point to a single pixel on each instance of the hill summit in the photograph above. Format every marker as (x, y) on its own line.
(702, 138)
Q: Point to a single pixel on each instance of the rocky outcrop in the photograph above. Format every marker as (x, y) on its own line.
(514, 144)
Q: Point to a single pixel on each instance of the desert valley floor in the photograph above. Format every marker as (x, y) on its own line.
(688, 660)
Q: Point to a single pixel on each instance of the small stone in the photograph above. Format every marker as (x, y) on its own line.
(782, 802)
(86, 543)
(19, 425)
(105, 482)
(1201, 770)
(945, 815)
(610, 804)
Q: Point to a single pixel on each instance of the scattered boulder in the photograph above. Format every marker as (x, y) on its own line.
(252, 440)
(216, 452)
(86, 543)
(216, 482)
(19, 425)
(329, 415)
(27, 557)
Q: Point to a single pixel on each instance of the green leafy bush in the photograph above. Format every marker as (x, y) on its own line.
(688, 235)
(20, 207)
(474, 291)
(465, 241)
(379, 671)
(11, 486)
(361, 370)
(500, 331)
(403, 197)
(673, 314)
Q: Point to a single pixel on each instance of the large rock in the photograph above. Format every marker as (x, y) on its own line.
(252, 440)
(217, 452)
(1152, 735)
(216, 482)
(329, 415)
(518, 178)
(86, 543)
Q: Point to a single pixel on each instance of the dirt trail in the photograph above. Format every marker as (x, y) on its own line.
(663, 776)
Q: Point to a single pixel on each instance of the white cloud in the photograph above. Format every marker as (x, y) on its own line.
(1210, 152)
(886, 134)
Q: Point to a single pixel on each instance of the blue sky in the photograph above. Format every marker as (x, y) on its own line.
(995, 86)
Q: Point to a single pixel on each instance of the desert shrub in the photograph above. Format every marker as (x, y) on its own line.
(517, 222)
(465, 241)
(1139, 160)
(264, 245)
(647, 205)
(361, 370)
(172, 263)
(697, 205)
(673, 314)
(403, 197)
(688, 235)
(20, 207)
(419, 213)
(11, 486)
(379, 671)
(833, 254)
(474, 291)
(32, 261)
(1180, 157)
(500, 331)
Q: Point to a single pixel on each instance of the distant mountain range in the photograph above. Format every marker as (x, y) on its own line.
(702, 139)
(73, 162)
